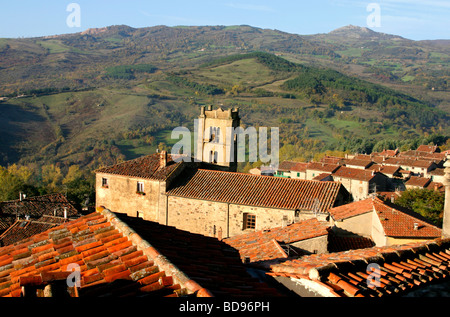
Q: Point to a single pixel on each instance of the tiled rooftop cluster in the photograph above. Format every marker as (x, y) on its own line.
(20, 219)
(112, 260)
(255, 190)
(397, 270)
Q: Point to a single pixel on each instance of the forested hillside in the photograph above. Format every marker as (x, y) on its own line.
(106, 95)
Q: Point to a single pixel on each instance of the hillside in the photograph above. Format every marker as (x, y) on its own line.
(115, 93)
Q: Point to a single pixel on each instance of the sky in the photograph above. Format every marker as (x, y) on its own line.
(412, 19)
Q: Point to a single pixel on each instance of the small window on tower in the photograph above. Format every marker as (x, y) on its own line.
(105, 182)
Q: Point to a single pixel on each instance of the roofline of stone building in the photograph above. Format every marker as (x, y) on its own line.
(151, 252)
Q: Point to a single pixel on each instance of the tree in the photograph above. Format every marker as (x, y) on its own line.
(426, 202)
(52, 178)
(11, 185)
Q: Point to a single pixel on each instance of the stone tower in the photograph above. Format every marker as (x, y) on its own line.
(212, 146)
(446, 221)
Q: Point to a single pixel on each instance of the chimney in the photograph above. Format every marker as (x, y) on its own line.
(65, 212)
(416, 226)
(163, 159)
(446, 220)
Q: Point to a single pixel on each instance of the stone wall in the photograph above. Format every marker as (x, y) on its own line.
(121, 196)
(223, 220)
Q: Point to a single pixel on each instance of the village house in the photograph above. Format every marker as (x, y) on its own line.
(358, 163)
(314, 169)
(437, 175)
(417, 167)
(291, 169)
(360, 183)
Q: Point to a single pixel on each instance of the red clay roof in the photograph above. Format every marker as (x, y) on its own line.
(406, 161)
(323, 167)
(147, 167)
(255, 190)
(401, 223)
(358, 162)
(396, 221)
(385, 169)
(264, 245)
(402, 268)
(112, 261)
(418, 181)
(40, 211)
(332, 159)
(292, 166)
(428, 148)
(354, 173)
(37, 206)
(352, 209)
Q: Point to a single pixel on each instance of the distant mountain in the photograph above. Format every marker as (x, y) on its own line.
(114, 93)
(357, 32)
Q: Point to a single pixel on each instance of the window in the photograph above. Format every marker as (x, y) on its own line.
(249, 221)
(213, 157)
(140, 187)
(104, 182)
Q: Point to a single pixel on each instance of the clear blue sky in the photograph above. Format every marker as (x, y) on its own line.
(413, 19)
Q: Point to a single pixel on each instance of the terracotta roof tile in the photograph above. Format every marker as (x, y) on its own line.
(213, 263)
(44, 259)
(358, 162)
(399, 269)
(399, 222)
(352, 209)
(354, 173)
(407, 161)
(323, 167)
(255, 190)
(428, 148)
(292, 166)
(418, 181)
(264, 245)
(396, 221)
(147, 167)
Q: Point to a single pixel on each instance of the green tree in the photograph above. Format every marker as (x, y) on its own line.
(426, 202)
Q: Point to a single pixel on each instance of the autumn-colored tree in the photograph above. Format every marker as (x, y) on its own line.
(52, 178)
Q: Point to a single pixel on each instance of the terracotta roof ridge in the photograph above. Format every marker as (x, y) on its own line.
(159, 259)
(406, 212)
(124, 162)
(33, 198)
(281, 179)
